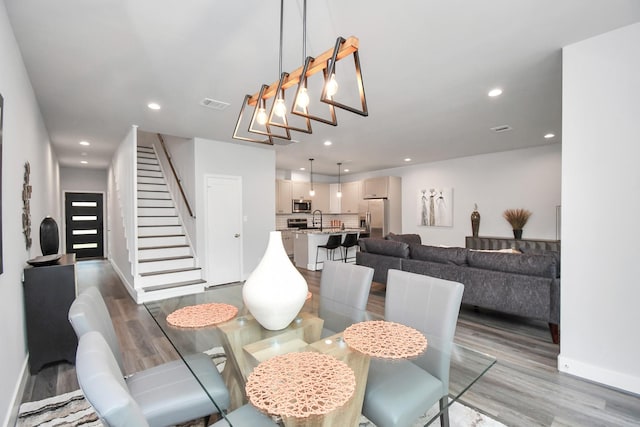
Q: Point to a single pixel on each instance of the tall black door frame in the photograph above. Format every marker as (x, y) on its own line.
(84, 224)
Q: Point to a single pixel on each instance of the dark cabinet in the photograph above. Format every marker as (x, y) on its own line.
(48, 293)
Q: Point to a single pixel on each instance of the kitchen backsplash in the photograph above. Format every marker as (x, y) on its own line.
(349, 221)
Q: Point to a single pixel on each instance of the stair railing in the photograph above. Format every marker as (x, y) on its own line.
(175, 175)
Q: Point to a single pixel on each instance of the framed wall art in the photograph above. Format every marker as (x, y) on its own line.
(435, 207)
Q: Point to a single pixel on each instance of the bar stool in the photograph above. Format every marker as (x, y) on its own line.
(333, 243)
(350, 240)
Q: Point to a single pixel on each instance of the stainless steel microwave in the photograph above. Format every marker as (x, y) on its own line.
(300, 206)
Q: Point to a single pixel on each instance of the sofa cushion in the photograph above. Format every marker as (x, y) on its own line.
(532, 265)
(534, 251)
(387, 247)
(414, 239)
(457, 256)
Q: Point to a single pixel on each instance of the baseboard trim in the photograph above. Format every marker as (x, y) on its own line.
(18, 392)
(625, 382)
(130, 289)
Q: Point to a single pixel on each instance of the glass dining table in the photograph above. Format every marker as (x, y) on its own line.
(240, 345)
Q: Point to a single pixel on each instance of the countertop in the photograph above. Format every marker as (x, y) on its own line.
(328, 230)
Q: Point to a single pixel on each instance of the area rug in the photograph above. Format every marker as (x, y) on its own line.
(72, 410)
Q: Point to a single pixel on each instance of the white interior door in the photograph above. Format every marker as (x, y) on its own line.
(224, 229)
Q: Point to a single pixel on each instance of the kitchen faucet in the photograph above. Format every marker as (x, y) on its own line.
(313, 218)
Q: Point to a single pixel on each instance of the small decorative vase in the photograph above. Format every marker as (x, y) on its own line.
(475, 221)
(275, 291)
(517, 234)
(49, 237)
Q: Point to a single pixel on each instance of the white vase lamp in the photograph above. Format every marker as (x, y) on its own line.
(275, 291)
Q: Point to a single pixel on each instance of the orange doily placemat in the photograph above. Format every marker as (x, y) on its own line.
(387, 340)
(198, 316)
(300, 384)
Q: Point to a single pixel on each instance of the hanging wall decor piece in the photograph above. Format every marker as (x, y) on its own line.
(26, 209)
(435, 207)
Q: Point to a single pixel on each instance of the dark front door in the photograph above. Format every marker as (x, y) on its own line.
(83, 216)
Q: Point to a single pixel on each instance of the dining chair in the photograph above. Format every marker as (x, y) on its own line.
(344, 291)
(350, 241)
(103, 386)
(397, 394)
(167, 394)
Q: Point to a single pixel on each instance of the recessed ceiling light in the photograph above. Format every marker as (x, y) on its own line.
(549, 135)
(84, 162)
(408, 159)
(495, 92)
(328, 143)
(301, 169)
(346, 170)
(84, 143)
(153, 106)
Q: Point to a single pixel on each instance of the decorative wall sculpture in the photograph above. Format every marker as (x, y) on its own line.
(26, 209)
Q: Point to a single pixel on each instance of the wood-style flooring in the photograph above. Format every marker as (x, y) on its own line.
(523, 388)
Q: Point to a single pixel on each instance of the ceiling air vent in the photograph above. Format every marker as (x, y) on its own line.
(214, 104)
(502, 128)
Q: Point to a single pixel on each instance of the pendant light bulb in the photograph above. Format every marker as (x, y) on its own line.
(312, 192)
(303, 98)
(261, 117)
(332, 86)
(339, 193)
(280, 109)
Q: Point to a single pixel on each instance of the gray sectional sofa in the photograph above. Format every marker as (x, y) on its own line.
(524, 284)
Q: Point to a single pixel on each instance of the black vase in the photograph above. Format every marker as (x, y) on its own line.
(49, 238)
(517, 234)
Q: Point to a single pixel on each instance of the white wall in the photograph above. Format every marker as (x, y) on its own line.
(256, 166)
(601, 188)
(528, 178)
(24, 139)
(83, 179)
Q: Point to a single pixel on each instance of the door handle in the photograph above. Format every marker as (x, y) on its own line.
(236, 235)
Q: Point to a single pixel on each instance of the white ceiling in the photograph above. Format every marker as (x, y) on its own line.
(427, 68)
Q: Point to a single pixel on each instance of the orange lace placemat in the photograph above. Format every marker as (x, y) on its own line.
(387, 340)
(198, 316)
(300, 384)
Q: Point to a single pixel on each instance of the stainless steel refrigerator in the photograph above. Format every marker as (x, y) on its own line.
(374, 216)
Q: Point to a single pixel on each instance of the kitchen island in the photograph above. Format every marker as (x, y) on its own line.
(306, 242)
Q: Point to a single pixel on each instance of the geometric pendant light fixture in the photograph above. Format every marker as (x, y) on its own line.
(270, 119)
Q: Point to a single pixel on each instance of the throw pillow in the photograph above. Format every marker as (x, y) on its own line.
(457, 256)
(412, 239)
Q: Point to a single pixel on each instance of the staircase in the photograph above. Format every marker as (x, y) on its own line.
(167, 266)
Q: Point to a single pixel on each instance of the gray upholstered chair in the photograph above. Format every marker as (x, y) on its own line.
(398, 393)
(344, 291)
(102, 384)
(166, 394)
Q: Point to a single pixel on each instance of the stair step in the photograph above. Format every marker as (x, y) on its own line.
(155, 241)
(154, 194)
(175, 270)
(151, 180)
(151, 221)
(161, 235)
(152, 187)
(174, 285)
(155, 203)
(160, 230)
(168, 258)
(144, 147)
(146, 173)
(150, 156)
(161, 211)
(172, 276)
(152, 252)
(146, 167)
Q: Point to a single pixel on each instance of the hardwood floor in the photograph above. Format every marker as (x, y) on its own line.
(524, 388)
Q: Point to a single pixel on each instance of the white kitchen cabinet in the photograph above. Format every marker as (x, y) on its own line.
(321, 199)
(300, 190)
(283, 196)
(375, 188)
(350, 197)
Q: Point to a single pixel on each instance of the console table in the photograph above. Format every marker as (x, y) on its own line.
(49, 291)
(494, 243)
